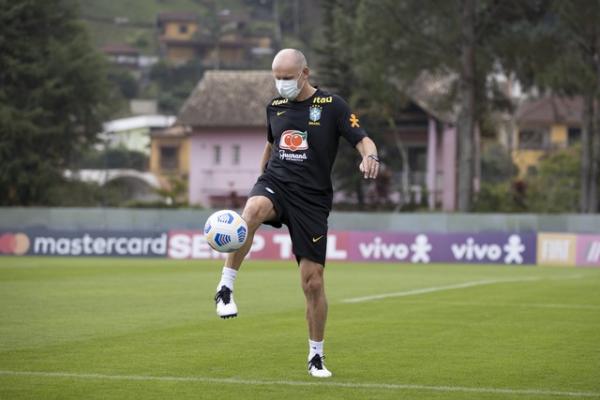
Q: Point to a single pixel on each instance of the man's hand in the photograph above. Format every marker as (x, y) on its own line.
(369, 166)
(370, 163)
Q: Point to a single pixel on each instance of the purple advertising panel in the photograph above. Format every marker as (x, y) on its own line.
(42, 242)
(588, 250)
(492, 248)
(488, 248)
(389, 247)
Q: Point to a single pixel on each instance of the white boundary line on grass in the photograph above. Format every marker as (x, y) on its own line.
(436, 289)
(257, 382)
(591, 307)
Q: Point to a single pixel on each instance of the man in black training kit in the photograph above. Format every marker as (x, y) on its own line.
(304, 127)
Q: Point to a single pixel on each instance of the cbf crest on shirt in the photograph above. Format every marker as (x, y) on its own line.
(305, 137)
(314, 114)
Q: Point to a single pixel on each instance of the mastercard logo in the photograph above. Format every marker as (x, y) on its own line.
(14, 243)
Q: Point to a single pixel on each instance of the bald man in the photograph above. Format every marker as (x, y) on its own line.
(304, 127)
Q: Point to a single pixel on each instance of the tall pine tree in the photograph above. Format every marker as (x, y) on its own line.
(52, 95)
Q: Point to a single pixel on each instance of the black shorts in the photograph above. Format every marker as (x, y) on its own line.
(304, 214)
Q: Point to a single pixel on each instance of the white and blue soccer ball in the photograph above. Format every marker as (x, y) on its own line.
(225, 231)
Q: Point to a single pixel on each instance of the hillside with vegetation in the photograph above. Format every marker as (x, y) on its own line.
(293, 23)
(133, 24)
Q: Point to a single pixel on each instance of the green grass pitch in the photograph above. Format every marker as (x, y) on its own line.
(82, 328)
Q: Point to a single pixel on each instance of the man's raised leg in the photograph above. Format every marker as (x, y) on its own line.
(257, 210)
(311, 275)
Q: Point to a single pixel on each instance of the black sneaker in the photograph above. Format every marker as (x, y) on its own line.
(316, 367)
(226, 307)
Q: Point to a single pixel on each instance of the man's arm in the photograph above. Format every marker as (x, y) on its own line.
(370, 162)
(265, 157)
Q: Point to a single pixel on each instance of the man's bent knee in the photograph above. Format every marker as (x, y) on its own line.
(313, 284)
(312, 276)
(257, 210)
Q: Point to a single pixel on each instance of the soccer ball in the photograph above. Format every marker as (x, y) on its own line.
(225, 231)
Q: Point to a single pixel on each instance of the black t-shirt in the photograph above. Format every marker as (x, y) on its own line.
(305, 136)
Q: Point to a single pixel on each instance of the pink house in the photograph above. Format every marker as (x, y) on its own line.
(428, 96)
(227, 116)
(441, 165)
(422, 144)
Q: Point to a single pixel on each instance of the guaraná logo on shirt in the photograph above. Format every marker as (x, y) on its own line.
(293, 140)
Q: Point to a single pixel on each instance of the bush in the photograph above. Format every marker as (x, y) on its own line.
(174, 83)
(501, 197)
(555, 186)
(124, 80)
(113, 158)
(497, 165)
(81, 194)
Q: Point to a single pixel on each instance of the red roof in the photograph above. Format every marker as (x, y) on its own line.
(551, 110)
(177, 17)
(119, 48)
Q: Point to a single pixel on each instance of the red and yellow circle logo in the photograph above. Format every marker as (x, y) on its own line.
(14, 243)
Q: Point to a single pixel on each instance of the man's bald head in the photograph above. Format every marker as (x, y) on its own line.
(288, 59)
(291, 75)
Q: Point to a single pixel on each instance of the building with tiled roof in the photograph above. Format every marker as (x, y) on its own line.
(218, 139)
(229, 99)
(545, 124)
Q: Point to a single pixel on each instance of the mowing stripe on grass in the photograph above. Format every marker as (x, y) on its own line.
(436, 289)
(257, 382)
(590, 307)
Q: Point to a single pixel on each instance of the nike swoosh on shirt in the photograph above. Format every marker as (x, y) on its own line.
(280, 112)
(315, 240)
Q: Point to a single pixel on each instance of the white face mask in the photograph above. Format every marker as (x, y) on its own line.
(288, 88)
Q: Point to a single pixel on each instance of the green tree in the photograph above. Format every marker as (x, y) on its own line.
(500, 191)
(577, 71)
(124, 81)
(399, 40)
(344, 69)
(559, 51)
(119, 157)
(497, 165)
(52, 95)
(174, 83)
(554, 187)
(505, 197)
(336, 72)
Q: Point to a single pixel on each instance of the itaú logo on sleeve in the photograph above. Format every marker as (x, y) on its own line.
(293, 140)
